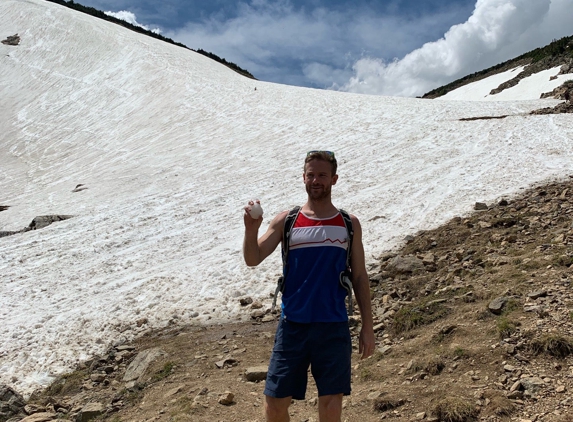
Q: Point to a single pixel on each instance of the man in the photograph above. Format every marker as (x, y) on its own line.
(313, 329)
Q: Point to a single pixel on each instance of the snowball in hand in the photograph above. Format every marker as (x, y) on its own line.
(256, 210)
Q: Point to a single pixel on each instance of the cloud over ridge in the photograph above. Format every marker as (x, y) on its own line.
(362, 50)
(130, 17)
(496, 31)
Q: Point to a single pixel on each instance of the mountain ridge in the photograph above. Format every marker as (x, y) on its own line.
(101, 15)
(557, 53)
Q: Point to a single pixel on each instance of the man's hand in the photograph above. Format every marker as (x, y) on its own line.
(366, 342)
(256, 250)
(251, 224)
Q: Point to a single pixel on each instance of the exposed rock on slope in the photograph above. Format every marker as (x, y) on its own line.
(37, 223)
(557, 53)
(12, 40)
(537, 67)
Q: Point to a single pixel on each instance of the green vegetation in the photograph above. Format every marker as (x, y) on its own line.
(561, 47)
(164, 372)
(510, 306)
(366, 374)
(185, 404)
(505, 327)
(460, 352)
(101, 15)
(68, 383)
(418, 314)
(132, 396)
(563, 261)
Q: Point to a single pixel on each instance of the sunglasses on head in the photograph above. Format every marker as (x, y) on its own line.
(316, 151)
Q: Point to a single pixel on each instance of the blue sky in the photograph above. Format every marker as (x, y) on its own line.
(400, 47)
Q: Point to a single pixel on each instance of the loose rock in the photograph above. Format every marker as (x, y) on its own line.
(256, 373)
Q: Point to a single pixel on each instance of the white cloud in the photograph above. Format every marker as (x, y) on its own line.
(317, 73)
(129, 17)
(308, 46)
(496, 31)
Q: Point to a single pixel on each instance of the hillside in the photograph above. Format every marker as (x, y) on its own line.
(101, 15)
(557, 53)
(474, 320)
(150, 151)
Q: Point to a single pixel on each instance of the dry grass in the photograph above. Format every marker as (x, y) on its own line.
(553, 345)
(568, 417)
(68, 384)
(456, 409)
(385, 404)
(433, 365)
(499, 405)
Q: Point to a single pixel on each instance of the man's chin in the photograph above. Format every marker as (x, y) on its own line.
(318, 195)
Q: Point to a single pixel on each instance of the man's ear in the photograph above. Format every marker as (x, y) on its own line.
(334, 179)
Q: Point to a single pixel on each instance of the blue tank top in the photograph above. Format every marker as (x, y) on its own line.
(317, 256)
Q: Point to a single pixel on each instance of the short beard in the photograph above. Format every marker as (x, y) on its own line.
(318, 196)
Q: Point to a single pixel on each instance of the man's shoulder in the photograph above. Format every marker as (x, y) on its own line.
(352, 217)
(280, 217)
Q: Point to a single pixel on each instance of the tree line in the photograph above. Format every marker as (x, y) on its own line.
(101, 15)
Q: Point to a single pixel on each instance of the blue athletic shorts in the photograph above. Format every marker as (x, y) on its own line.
(324, 346)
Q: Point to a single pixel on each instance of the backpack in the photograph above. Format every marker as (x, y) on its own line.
(344, 279)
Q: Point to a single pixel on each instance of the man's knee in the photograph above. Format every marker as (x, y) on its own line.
(276, 410)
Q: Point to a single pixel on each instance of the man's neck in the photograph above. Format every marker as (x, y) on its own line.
(322, 208)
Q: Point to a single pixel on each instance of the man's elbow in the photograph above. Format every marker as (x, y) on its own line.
(251, 262)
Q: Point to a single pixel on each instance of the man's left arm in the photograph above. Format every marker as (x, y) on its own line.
(361, 287)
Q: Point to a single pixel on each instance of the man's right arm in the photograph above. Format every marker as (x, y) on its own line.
(256, 250)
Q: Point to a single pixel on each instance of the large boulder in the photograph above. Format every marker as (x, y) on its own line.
(45, 220)
(496, 306)
(12, 40)
(137, 368)
(405, 265)
(11, 403)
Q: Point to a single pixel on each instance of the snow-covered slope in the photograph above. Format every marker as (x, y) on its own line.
(171, 145)
(529, 88)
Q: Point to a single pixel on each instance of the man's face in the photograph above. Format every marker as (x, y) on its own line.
(318, 179)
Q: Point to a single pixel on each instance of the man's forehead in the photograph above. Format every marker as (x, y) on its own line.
(318, 165)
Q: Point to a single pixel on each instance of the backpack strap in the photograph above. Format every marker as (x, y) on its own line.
(287, 230)
(350, 231)
(345, 276)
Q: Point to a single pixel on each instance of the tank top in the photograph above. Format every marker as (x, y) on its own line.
(317, 256)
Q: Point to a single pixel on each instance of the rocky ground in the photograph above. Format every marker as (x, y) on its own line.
(564, 107)
(474, 321)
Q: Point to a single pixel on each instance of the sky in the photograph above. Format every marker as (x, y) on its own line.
(170, 146)
(397, 47)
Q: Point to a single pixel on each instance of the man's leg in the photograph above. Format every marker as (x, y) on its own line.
(276, 410)
(330, 408)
